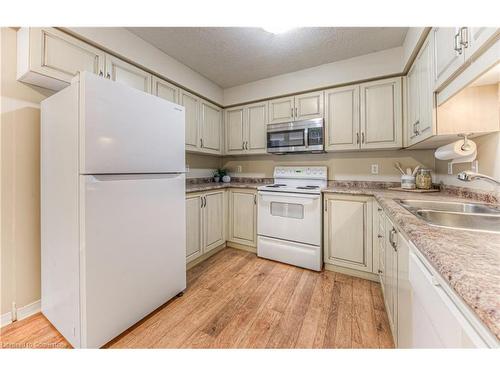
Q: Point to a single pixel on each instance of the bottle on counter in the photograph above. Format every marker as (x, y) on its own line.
(424, 179)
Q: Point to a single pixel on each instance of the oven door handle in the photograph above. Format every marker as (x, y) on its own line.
(288, 198)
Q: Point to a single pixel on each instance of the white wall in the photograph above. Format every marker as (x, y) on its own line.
(122, 42)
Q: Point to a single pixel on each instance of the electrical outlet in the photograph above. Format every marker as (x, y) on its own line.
(239, 169)
(475, 166)
(450, 168)
(374, 168)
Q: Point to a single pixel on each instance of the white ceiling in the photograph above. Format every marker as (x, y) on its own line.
(231, 56)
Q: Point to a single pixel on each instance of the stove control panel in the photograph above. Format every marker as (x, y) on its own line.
(309, 173)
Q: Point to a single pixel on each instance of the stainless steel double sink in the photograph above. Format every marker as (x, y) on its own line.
(469, 216)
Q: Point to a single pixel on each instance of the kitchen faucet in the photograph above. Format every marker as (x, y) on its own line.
(472, 176)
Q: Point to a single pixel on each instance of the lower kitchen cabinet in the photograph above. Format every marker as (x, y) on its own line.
(348, 231)
(243, 216)
(205, 223)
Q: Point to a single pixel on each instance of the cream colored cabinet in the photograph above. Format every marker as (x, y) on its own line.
(50, 58)
(342, 118)
(381, 114)
(205, 222)
(294, 108)
(420, 96)
(210, 127)
(281, 110)
(477, 37)
(391, 280)
(245, 129)
(213, 220)
(348, 231)
(191, 104)
(165, 90)
(120, 71)
(243, 216)
(194, 227)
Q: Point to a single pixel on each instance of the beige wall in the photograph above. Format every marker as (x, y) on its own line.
(20, 182)
(202, 165)
(341, 166)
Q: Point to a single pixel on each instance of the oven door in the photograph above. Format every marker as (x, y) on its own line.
(289, 216)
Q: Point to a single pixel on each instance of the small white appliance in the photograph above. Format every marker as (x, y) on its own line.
(112, 207)
(289, 217)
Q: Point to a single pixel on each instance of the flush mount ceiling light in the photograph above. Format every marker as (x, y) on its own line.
(277, 29)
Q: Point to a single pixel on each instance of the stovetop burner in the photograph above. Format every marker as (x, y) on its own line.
(308, 187)
(276, 185)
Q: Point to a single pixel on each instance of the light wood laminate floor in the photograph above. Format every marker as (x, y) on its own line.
(237, 300)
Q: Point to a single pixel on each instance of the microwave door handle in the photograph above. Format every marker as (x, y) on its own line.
(306, 137)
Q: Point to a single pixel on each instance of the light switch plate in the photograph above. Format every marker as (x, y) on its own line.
(450, 168)
(374, 168)
(475, 166)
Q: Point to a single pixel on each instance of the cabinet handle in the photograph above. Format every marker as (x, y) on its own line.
(292, 112)
(201, 142)
(246, 145)
(464, 37)
(108, 75)
(204, 201)
(295, 112)
(380, 236)
(201, 202)
(458, 48)
(362, 137)
(380, 272)
(255, 199)
(357, 138)
(379, 209)
(243, 145)
(101, 74)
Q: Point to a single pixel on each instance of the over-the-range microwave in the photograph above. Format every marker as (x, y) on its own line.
(296, 136)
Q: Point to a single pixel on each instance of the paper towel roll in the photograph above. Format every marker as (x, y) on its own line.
(454, 151)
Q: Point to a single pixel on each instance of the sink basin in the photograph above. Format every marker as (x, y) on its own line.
(476, 222)
(460, 207)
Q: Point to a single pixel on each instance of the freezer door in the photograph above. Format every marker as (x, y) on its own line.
(124, 130)
(133, 250)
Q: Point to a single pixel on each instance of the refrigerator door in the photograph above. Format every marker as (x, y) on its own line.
(124, 130)
(133, 250)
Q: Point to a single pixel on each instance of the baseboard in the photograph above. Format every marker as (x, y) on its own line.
(22, 313)
(205, 256)
(356, 273)
(239, 246)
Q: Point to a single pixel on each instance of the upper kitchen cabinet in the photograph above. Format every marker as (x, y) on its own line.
(342, 118)
(420, 96)
(191, 104)
(245, 129)
(455, 47)
(381, 114)
(128, 74)
(50, 58)
(295, 108)
(165, 90)
(210, 127)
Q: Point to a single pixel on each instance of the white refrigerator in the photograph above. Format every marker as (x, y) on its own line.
(112, 208)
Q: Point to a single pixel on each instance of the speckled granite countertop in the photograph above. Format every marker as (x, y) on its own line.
(192, 188)
(469, 261)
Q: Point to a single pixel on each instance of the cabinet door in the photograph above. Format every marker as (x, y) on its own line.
(210, 125)
(48, 52)
(128, 74)
(243, 217)
(257, 128)
(448, 56)
(281, 110)
(235, 129)
(342, 118)
(191, 103)
(348, 232)
(213, 220)
(425, 125)
(194, 245)
(391, 287)
(413, 99)
(165, 90)
(308, 106)
(381, 114)
(477, 37)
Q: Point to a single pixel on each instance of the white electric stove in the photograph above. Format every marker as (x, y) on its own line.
(289, 217)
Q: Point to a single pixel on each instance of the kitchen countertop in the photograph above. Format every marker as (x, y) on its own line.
(469, 261)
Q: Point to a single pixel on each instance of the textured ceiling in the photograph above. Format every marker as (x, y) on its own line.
(231, 56)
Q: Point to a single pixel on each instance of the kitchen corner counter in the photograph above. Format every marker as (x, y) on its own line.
(469, 261)
(199, 187)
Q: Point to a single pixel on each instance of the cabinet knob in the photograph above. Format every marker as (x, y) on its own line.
(108, 76)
